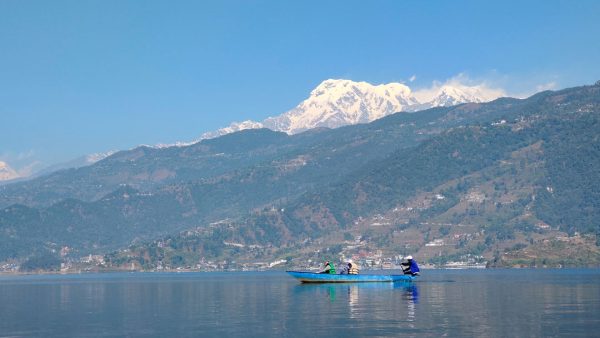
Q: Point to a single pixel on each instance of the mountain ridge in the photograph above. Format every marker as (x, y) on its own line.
(489, 191)
(474, 166)
(332, 104)
(339, 102)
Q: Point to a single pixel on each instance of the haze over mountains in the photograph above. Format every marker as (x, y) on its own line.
(507, 176)
(78, 162)
(336, 103)
(8, 174)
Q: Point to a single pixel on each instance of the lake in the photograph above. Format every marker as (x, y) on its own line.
(465, 303)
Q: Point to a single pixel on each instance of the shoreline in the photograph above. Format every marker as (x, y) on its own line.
(56, 273)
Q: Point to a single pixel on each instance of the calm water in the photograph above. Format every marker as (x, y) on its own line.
(468, 303)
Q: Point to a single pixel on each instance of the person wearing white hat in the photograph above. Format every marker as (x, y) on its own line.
(410, 267)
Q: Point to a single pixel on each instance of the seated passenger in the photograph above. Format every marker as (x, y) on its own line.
(352, 268)
(329, 268)
(410, 267)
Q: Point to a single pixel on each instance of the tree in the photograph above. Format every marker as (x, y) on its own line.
(46, 262)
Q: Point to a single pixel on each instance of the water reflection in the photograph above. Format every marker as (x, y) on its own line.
(482, 303)
(353, 300)
(411, 291)
(365, 301)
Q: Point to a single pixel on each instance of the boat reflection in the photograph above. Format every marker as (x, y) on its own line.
(411, 291)
(365, 300)
(411, 296)
(333, 287)
(410, 287)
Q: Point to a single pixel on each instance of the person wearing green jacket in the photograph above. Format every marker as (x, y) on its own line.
(329, 268)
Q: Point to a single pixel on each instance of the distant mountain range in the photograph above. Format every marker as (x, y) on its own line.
(9, 175)
(511, 181)
(332, 104)
(78, 162)
(337, 103)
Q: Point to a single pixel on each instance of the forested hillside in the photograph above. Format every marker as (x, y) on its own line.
(487, 180)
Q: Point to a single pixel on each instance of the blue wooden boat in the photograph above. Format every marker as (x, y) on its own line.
(313, 277)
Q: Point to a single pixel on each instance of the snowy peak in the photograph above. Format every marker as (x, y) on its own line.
(6, 172)
(450, 95)
(338, 102)
(235, 126)
(335, 103)
(455, 91)
(331, 90)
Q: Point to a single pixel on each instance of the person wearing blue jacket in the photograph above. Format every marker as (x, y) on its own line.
(410, 267)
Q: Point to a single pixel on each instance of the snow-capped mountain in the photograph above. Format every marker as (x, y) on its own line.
(6, 172)
(235, 126)
(336, 103)
(456, 93)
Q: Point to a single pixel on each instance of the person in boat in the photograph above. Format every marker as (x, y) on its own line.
(351, 268)
(410, 267)
(329, 268)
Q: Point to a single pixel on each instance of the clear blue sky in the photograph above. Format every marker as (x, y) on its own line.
(79, 76)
